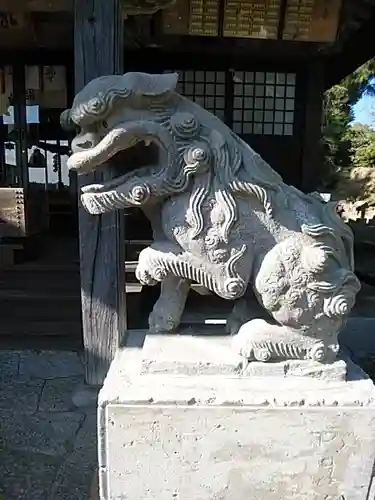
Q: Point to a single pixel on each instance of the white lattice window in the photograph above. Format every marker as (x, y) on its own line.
(206, 88)
(263, 102)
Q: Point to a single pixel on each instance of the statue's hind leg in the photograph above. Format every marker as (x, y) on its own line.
(309, 297)
(260, 340)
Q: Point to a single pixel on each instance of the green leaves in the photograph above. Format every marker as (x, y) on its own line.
(345, 146)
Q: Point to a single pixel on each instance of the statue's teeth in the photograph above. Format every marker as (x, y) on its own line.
(147, 142)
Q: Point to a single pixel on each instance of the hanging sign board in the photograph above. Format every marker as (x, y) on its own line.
(204, 17)
(251, 18)
(46, 86)
(312, 20)
(54, 78)
(193, 17)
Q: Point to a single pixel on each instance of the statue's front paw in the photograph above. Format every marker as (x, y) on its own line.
(144, 277)
(159, 323)
(251, 341)
(242, 344)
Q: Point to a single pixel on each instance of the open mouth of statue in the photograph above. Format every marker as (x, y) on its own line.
(134, 151)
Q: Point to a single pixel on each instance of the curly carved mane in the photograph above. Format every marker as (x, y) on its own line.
(238, 169)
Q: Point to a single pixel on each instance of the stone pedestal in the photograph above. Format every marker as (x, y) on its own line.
(180, 419)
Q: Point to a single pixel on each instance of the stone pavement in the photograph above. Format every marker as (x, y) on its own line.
(48, 447)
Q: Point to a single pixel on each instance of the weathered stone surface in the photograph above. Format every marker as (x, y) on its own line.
(221, 217)
(20, 396)
(188, 355)
(9, 364)
(237, 453)
(194, 354)
(50, 365)
(372, 489)
(57, 394)
(233, 437)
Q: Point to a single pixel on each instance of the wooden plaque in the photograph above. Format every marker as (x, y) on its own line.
(194, 17)
(312, 20)
(251, 18)
(204, 17)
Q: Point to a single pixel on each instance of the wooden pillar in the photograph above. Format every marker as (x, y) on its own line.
(98, 48)
(312, 155)
(19, 107)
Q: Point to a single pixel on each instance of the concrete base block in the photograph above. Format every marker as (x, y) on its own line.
(168, 433)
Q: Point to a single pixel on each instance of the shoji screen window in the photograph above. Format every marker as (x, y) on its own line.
(263, 103)
(206, 88)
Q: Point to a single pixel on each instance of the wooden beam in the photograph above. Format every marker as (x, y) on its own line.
(256, 49)
(357, 49)
(98, 45)
(37, 5)
(280, 28)
(50, 5)
(312, 159)
(11, 6)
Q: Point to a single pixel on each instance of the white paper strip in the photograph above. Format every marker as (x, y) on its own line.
(32, 77)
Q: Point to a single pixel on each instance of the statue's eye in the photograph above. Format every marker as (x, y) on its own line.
(105, 124)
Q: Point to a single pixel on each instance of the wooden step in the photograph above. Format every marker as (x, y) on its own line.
(44, 309)
(52, 278)
(41, 328)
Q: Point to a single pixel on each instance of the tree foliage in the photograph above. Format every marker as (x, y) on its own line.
(346, 146)
(357, 82)
(361, 140)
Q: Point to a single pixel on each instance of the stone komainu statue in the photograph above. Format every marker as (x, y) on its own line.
(220, 216)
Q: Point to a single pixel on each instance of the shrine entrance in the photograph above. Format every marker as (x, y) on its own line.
(39, 258)
(34, 148)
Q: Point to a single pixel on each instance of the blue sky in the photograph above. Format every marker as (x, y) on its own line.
(364, 110)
